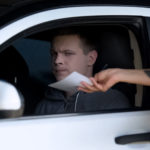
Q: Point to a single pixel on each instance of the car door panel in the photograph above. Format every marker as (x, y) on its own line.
(76, 132)
(110, 131)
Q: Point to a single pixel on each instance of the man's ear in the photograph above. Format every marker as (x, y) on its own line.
(92, 56)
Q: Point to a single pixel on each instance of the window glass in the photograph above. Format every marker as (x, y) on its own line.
(113, 47)
(36, 54)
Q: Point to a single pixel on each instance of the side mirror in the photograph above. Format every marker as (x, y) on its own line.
(11, 101)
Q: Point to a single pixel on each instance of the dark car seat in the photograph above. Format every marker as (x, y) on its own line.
(115, 52)
(15, 70)
(12, 65)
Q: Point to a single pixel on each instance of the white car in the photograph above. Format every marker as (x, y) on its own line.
(123, 29)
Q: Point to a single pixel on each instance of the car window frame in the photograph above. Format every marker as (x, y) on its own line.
(35, 28)
(62, 13)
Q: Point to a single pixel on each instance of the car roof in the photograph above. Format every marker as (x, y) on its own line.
(12, 9)
(6, 5)
(122, 2)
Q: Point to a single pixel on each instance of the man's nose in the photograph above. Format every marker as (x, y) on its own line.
(58, 59)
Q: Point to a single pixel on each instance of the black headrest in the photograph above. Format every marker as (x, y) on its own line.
(114, 48)
(12, 65)
(115, 52)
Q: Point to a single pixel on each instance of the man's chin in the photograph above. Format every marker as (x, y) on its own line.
(58, 78)
(61, 76)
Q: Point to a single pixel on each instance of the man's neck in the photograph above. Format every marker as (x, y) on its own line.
(69, 94)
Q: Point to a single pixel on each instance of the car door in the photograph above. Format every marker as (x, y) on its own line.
(114, 131)
(107, 130)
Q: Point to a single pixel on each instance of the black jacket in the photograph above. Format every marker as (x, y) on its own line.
(55, 102)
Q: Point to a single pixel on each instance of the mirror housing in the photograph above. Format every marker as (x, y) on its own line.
(11, 101)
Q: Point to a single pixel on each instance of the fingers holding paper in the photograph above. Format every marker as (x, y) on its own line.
(90, 88)
(102, 81)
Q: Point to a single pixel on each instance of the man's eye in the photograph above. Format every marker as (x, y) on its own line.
(68, 53)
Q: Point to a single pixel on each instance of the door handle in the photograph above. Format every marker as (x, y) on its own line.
(128, 139)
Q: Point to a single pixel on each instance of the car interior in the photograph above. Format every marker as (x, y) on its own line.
(28, 62)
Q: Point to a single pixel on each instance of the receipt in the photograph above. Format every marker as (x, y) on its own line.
(71, 82)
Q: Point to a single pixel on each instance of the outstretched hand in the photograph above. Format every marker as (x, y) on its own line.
(102, 81)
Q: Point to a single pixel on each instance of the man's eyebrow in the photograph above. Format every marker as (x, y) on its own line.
(64, 50)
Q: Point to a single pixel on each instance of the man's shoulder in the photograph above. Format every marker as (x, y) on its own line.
(52, 103)
(53, 94)
(111, 93)
(111, 99)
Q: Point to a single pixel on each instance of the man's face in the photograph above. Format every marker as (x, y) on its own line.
(68, 56)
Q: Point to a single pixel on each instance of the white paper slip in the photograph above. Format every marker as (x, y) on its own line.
(71, 82)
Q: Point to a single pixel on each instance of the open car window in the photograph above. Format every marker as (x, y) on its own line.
(121, 43)
(33, 69)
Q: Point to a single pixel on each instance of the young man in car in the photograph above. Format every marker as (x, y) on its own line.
(75, 50)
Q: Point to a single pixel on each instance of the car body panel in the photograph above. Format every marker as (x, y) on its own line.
(62, 13)
(90, 132)
(72, 131)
